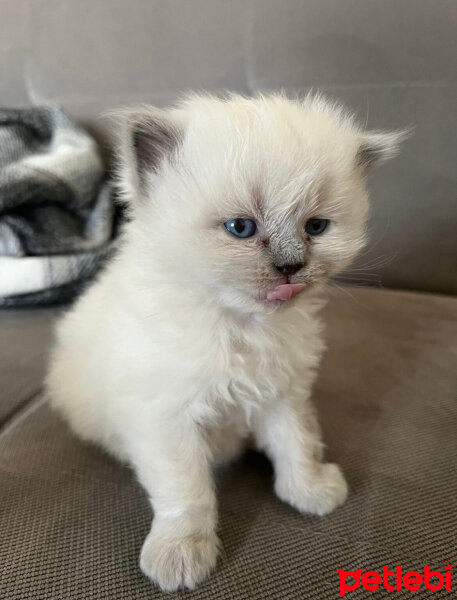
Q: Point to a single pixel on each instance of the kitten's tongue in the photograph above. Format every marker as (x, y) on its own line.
(285, 291)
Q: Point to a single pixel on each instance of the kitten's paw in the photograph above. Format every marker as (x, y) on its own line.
(175, 563)
(318, 494)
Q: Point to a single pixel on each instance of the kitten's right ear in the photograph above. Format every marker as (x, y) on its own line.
(148, 136)
(378, 146)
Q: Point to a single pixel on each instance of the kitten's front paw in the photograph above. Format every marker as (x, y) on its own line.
(175, 563)
(318, 494)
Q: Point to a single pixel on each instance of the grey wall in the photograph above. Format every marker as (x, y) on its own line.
(393, 61)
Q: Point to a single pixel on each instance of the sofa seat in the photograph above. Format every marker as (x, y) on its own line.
(72, 520)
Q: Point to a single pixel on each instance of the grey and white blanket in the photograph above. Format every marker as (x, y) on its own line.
(56, 211)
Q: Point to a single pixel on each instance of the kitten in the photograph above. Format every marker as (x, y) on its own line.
(203, 330)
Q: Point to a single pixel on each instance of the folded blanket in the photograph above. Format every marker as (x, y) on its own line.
(56, 211)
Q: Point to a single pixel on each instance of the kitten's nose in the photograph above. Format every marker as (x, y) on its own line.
(289, 269)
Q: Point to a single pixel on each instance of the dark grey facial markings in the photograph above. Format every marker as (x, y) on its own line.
(281, 247)
(285, 249)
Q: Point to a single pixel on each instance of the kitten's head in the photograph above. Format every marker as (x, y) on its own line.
(249, 201)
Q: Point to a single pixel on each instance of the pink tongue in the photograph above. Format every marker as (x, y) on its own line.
(285, 291)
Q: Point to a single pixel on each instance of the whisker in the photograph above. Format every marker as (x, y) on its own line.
(374, 263)
(358, 279)
(347, 292)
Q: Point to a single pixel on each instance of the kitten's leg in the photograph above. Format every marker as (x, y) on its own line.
(290, 435)
(174, 466)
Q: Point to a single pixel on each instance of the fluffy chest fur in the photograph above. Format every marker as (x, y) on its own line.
(179, 346)
(174, 351)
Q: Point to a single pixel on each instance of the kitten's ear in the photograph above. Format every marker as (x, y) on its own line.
(148, 136)
(378, 146)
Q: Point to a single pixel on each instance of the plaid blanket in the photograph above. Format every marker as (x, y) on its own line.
(56, 211)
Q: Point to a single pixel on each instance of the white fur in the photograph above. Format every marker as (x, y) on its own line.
(171, 359)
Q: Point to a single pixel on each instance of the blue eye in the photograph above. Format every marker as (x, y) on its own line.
(316, 226)
(242, 228)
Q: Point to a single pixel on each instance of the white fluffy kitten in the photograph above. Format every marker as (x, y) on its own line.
(203, 330)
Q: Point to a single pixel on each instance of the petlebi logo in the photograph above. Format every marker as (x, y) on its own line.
(395, 579)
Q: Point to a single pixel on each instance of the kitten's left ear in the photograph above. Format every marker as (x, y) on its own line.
(147, 137)
(378, 146)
